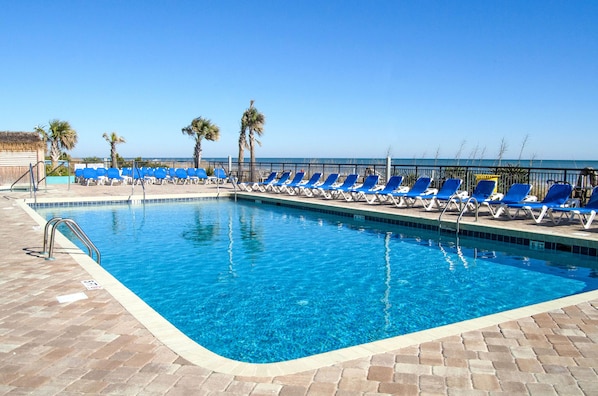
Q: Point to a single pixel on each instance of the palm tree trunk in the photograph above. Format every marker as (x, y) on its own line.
(113, 154)
(240, 163)
(54, 153)
(197, 154)
(251, 157)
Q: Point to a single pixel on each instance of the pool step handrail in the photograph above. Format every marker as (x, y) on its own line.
(458, 198)
(470, 200)
(51, 226)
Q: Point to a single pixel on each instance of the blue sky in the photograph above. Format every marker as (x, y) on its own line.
(350, 79)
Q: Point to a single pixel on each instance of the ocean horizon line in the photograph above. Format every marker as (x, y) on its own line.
(487, 162)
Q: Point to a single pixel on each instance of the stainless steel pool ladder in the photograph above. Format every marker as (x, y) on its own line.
(455, 228)
(462, 210)
(53, 223)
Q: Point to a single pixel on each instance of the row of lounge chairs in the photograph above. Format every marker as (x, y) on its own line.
(557, 206)
(103, 176)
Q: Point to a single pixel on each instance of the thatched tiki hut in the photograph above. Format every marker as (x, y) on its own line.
(17, 151)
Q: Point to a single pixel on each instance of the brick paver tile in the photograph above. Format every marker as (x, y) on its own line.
(404, 378)
(481, 366)
(240, 388)
(383, 359)
(322, 389)
(459, 382)
(432, 383)
(399, 389)
(300, 379)
(380, 374)
(529, 365)
(289, 390)
(513, 387)
(266, 389)
(328, 374)
(357, 385)
(540, 389)
(584, 374)
(485, 382)
(589, 387)
(87, 386)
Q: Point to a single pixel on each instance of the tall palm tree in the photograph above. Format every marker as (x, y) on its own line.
(113, 139)
(242, 146)
(201, 128)
(252, 124)
(61, 136)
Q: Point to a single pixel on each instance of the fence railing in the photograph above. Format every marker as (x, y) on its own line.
(539, 178)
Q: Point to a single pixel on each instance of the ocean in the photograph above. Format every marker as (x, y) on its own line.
(531, 163)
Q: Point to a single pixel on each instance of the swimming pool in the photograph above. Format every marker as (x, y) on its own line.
(260, 283)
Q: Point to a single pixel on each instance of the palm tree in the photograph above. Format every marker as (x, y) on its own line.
(242, 146)
(201, 128)
(252, 124)
(61, 136)
(113, 139)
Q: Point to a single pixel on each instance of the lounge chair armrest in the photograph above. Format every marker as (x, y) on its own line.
(572, 203)
(430, 191)
(530, 198)
(402, 189)
(496, 196)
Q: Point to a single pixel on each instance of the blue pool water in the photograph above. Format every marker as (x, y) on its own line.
(261, 283)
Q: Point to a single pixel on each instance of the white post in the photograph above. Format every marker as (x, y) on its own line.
(388, 161)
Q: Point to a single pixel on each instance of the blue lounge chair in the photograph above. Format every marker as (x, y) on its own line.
(319, 188)
(90, 175)
(251, 186)
(201, 175)
(219, 176)
(334, 191)
(312, 182)
(79, 175)
(393, 185)
(356, 194)
(182, 177)
(402, 199)
(517, 193)
(557, 196)
(113, 175)
(282, 180)
(297, 179)
(192, 175)
(445, 195)
(482, 193)
(160, 174)
(585, 214)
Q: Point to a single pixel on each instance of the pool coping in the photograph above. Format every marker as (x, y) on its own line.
(196, 354)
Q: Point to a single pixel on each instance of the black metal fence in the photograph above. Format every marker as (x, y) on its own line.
(540, 178)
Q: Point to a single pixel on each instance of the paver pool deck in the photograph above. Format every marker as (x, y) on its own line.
(98, 346)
